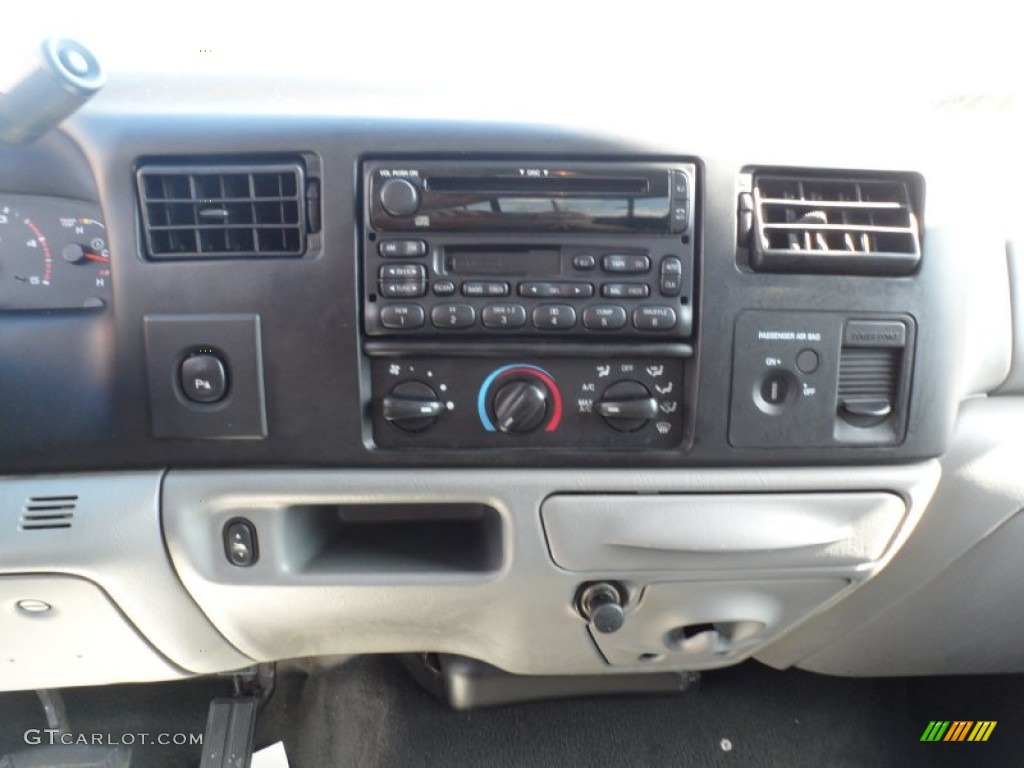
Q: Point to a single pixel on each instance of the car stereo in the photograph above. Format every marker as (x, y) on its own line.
(529, 304)
(537, 249)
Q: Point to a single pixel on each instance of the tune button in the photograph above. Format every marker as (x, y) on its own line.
(403, 289)
(504, 316)
(554, 317)
(610, 318)
(452, 316)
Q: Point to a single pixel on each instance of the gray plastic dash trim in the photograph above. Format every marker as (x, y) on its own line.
(630, 532)
(520, 618)
(74, 636)
(114, 540)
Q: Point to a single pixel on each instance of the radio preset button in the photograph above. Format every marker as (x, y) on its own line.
(403, 289)
(627, 263)
(485, 289)
(584, 261)
(403, 272)
(604, 318)
(554, 317)
(399, 316)
(654, 318)
(556, 290)
(452, 316)
(505, 316)
(402, 249)
(625, 290)
(444, 288)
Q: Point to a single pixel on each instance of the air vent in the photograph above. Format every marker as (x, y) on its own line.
(47, 512)
(224, 211)
(859, 226)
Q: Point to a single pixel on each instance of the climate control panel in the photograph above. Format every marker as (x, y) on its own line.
(475, 403)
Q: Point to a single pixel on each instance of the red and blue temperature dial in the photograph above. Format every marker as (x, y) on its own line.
(519, 398)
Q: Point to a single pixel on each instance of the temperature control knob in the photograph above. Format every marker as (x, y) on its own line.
(520, 406)
(399, 197)
(627, 405)
(412, 406)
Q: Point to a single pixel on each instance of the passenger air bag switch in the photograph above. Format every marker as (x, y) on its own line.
(204, 378)
(240, 543)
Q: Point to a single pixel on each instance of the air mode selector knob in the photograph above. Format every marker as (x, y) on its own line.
(627, 405)
(399, 197)
(520, 406)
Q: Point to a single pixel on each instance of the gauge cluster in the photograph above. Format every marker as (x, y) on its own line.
(53, 254)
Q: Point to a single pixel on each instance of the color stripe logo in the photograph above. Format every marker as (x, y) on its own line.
(958, 730)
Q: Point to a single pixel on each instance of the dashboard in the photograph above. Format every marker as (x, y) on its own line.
(570, 401)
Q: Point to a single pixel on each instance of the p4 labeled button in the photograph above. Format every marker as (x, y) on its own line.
(204, 378)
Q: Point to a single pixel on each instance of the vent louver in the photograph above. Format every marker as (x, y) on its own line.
(48, 512)
(862, 226)
(223, 211)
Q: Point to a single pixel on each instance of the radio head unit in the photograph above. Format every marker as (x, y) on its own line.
(520, 197)
(528, 248)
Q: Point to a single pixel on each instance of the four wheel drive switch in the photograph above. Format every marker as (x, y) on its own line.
(204, 378)
(240, 544)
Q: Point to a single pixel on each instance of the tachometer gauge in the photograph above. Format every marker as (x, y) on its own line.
(53, 254)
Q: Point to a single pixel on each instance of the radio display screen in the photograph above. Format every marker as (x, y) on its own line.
(512, 262)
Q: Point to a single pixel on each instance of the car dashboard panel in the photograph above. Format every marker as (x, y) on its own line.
(567, 402)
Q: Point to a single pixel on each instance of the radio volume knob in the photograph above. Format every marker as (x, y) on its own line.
(399, 197)
(520, 406)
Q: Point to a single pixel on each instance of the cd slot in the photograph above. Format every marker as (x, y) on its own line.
(533, 185)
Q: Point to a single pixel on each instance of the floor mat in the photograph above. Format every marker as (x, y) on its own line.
(369, 713)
